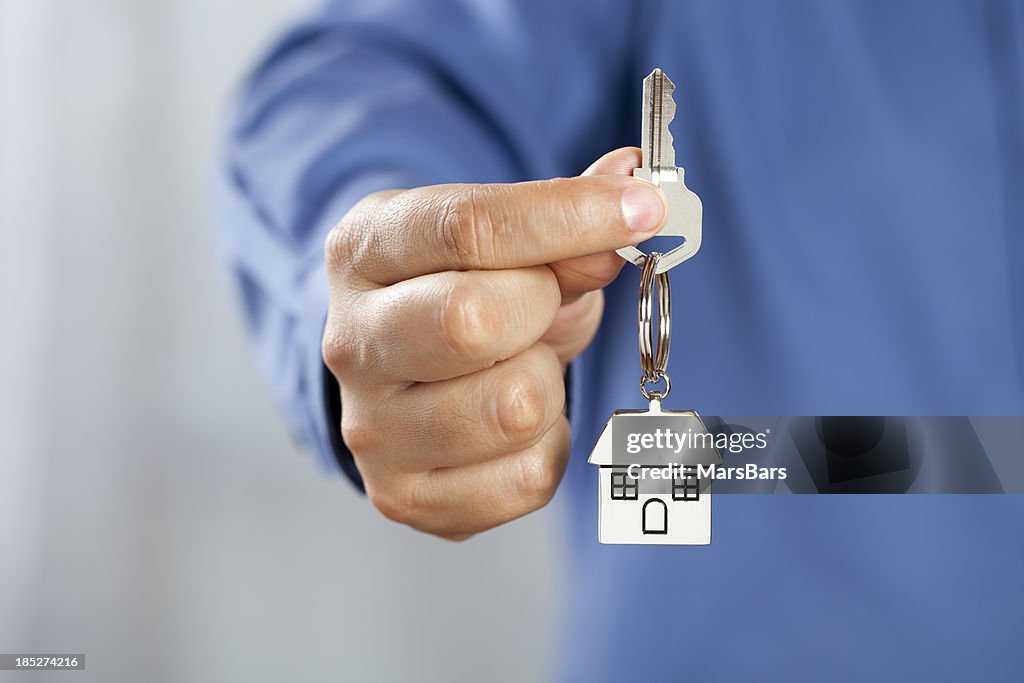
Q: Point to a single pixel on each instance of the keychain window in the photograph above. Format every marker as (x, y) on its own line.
(686, 487)
(624, 487)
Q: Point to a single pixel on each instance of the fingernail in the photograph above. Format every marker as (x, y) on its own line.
(643, 208)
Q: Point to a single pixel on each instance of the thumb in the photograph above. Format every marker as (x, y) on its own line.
(583, 274)
(581, 279)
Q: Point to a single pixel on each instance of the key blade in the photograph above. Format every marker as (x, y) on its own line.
(659, 110)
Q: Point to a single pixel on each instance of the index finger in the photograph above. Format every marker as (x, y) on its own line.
(498, 226)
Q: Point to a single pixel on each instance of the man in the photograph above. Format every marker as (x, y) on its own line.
(860, 166)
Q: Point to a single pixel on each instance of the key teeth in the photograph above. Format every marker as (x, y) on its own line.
(667, 89)
(668, 103)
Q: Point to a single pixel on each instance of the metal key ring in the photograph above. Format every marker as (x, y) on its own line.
(654, 353)
(651, 394)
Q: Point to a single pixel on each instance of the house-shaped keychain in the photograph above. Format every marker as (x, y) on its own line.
(652, 489)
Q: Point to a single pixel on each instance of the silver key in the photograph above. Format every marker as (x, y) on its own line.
(659, 167)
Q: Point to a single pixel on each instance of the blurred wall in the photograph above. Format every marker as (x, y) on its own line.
(153, 511)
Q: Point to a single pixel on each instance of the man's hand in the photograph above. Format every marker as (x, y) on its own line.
(453, 312)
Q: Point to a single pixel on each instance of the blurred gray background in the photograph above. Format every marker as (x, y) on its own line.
(154, 513)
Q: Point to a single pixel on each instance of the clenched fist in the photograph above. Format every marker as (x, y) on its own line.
(454, 310)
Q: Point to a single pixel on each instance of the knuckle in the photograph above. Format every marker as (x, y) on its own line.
(426, 512)
(469, 325)
(390, 501)
(464, 229)
(358, 432)
(521, 406)
(340, 245)
(353, 239)
(338, 353)
(537, 478)
(547, 358)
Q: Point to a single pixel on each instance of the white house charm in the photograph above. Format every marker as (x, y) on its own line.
(652, 487)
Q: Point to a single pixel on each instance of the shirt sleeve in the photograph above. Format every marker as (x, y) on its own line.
(366, 96)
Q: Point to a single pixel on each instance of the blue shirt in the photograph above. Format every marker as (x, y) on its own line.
(861, 166)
